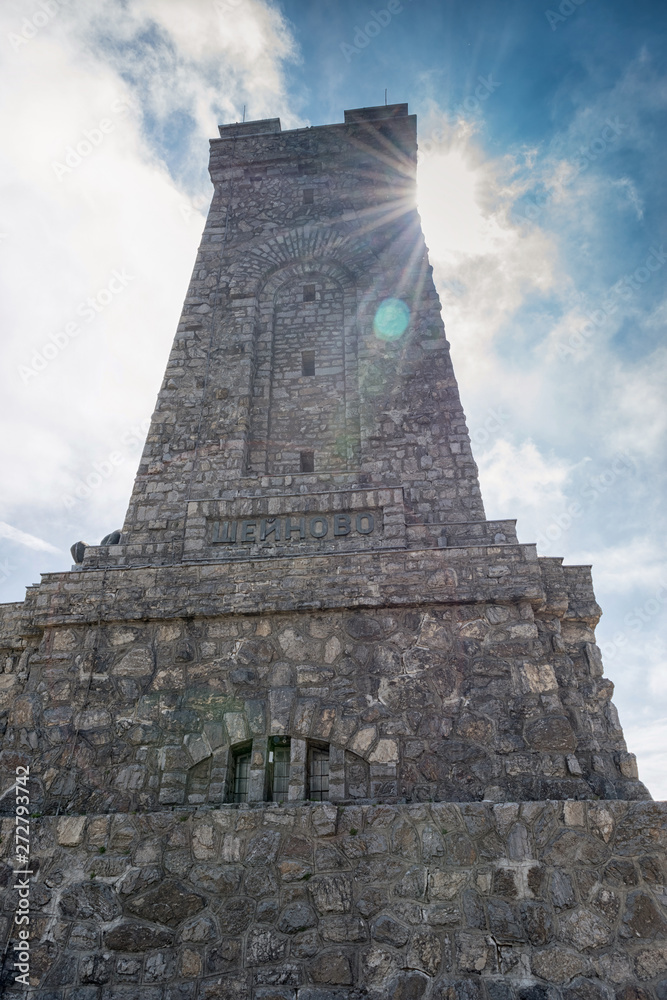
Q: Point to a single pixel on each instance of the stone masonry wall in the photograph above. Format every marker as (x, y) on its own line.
(234, 402)
(538, 901)
(483, 837)
(464, 700)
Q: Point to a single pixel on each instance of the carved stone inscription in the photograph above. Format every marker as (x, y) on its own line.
(294, 528)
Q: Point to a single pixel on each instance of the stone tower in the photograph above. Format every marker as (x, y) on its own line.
(313, 727)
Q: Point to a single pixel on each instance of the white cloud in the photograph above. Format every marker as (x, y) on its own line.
(162, 75)
(646, 738)
(196, 64)
(484, 264)
(521, 474)
(622, 568)
(23, 538)
(456, 225)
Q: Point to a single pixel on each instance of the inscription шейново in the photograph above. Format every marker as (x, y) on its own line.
(290, 529)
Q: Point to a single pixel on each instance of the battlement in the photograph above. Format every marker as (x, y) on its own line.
(238, 129)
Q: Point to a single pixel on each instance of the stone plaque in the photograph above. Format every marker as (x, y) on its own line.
(292, 528)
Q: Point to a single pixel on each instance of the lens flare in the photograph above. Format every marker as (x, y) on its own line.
(391, 319)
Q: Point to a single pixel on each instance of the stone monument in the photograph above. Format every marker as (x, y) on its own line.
(312, 727)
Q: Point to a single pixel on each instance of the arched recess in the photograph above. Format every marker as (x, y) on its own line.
(245, 771)
(305, 308)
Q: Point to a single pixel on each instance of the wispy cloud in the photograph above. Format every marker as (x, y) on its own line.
(627, 568)
(23, 538)
(192, 66)
(161, 76)
(536, 479)
(646, 738)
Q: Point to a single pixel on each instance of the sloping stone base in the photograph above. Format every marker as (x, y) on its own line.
(534, 901)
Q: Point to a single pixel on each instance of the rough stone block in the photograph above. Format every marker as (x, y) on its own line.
(70, 830)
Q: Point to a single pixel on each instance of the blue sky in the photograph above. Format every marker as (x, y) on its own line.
(541, 191)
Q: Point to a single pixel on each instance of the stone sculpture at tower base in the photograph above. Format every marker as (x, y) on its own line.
(312, 727)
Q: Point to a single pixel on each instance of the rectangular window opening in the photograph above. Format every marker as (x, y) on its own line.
(280, 758)
(309, 196)
(309, 293)
(308, 362)
(318, 774)
(241, 776)
(307, 461)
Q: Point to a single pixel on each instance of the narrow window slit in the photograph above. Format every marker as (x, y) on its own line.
(280, 765)
(309, 196)
(307, 461)
(308, 362)
(309, 293)
(318, 774)
(241, 776)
